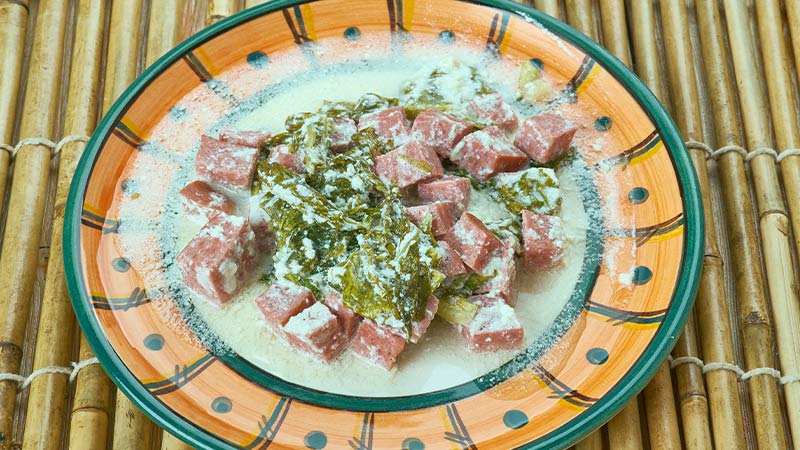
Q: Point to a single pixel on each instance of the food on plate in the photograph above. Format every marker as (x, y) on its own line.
(366, 211)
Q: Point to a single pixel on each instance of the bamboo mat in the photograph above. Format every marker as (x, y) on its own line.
(726, 70)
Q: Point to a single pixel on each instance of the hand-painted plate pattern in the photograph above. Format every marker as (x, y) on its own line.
(619, 337)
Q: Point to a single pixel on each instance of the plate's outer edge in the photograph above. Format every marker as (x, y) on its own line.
(630, 385)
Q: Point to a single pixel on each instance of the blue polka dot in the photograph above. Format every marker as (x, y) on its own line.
(413, 444)
(352, 34)
(120, 264)
(258, 59)
(221, 405)
(447, 37)
(154, 342)
(538, 63)
(642, 275)
(602, 123)
(515, 419)
(638, 195)
(177, 112)
(316, 440)
(597, 356)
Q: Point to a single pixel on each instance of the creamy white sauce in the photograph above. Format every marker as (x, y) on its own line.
(440, 360)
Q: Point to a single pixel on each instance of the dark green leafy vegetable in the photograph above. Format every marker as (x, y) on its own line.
(369, 103)
(447, 88)
(534, 189)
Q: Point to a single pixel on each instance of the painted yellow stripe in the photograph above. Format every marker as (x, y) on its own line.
(137, 130)
(590, 78)
(666, 236)
(308, 20)
(155, 380)
(647, 155)
(507, 38)
(408, 14)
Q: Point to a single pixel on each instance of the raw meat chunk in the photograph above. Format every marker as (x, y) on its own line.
(492, 109)
(439, 130)
(473, 242)
(447, 189)
(487, 152)
(281, 301)
(348, 319)
(450, 264)
(441, 214)
(377, 344)
(419, 327)
(316, 330)
(201, 202)
(389, 124)
(220, 258)
(260, 223)
(545, 137)
(409, 164)
(494, 327)
(501, 286)
(226, 164)
(249, 138)
(543, 240)
(342, 136)
(280, 154)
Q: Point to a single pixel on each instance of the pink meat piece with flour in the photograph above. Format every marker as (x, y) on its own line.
(226, 164)
(220, 258)
(201, 202)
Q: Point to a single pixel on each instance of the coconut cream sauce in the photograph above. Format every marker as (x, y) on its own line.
(440, 360)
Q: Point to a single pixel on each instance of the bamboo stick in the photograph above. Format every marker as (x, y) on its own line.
(624, 430)
(773, 217)
(90, 416)
(580, 15)
(164, 30)
(220, 9)
(615, 29)
(686, 110)
(170, 442)
(44, 423)
(550, 7)
(89, 419)
(251, 3)
(739, 210)
(782, 279)
(18, 262)
(593, 441)
(13, 23)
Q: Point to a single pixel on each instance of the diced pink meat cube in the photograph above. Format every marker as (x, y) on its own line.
(249, 138)
(226, 164)
(409, 164)
(543, 240)
(280, 154)
(282, 301)
(260, 223)
(456, 190)
(316, 330)
(494, 327)
(473, 242)
(348, 319)
(389, 124)
(492, 109)
(200, 201)
(441, 216)
(419, 327)
(450, 264)
(377, 344)
(220, 258)
(501, 286)
(342, 136)
(439, 130)
(488, 152)
(545, 137)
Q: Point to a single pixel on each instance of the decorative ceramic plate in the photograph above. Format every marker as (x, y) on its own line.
(614, 331)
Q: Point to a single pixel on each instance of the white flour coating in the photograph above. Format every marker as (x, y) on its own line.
(440, 360)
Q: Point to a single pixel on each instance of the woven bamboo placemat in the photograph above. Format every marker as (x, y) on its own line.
(727, 71)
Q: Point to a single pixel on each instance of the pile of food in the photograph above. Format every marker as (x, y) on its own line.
(380, 214)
